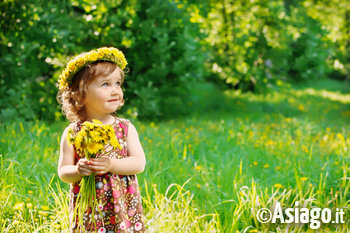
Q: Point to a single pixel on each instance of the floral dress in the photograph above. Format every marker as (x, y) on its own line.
(118, 195)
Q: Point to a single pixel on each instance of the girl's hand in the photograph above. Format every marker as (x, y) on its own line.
(100, 165)
(83, 167)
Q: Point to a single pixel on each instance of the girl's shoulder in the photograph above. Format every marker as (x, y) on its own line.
(72, 126)
(124, 124)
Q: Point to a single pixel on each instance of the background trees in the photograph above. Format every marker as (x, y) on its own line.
(173, 48)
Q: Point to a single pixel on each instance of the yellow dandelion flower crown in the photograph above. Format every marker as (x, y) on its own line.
(77, 63)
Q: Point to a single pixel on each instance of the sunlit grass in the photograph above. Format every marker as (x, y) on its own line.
(207, 173)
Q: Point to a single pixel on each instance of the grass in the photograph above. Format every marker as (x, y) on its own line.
(210, 172)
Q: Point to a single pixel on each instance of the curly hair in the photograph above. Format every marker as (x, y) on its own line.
(72, 98)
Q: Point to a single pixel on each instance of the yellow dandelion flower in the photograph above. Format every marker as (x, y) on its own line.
(19, 206)
(93, 57)
(42, 213)
(278, 186)
(44, 207)
(340, 136)
(30, 192)
(304, 178)
(96, 121)
(15, 223)
(29, 205)
(198, 168)
(266, 166)
(255, 163)
(95, 135)
(93, 148)
(115, 144)
(301, 107)
(79, 141)
(278, 168)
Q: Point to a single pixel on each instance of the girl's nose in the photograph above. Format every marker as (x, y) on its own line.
(115, 90)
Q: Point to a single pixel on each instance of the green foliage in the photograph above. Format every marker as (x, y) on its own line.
(165, 58)
(38, 38)
(309, 51)
(172, 47)
(334, 16)
(255, 43)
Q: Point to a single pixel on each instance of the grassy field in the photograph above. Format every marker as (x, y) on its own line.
(210, 172)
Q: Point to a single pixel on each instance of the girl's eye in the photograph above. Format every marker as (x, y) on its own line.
(105, 85)
(118, 84)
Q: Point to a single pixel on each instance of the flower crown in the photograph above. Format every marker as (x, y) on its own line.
(77, 63)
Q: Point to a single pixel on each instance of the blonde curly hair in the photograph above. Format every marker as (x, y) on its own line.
(72, 98)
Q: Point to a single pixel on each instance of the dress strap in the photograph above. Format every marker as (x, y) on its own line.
(126, 128)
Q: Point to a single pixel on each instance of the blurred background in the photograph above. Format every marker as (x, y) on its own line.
(179, 52)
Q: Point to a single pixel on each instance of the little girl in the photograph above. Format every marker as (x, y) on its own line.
(90, 88)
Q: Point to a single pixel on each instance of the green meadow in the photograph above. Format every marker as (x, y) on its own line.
(208, 172)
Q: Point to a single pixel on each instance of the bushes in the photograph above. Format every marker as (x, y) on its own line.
(161, 45)
(166, 59)
(172, 46)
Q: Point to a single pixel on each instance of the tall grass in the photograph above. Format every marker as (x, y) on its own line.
(205, 173)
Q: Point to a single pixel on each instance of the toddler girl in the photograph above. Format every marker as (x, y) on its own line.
(90, 88)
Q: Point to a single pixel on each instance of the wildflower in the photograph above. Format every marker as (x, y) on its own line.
(77, 63)
(19, 206)
(304, 178)
(44, 207)
(42, 213)
(90, 141)
(301, 108)
(278, 186)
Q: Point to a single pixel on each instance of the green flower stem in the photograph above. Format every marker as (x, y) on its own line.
(87, 199)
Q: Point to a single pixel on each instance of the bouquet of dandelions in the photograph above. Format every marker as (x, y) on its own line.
(90, 141)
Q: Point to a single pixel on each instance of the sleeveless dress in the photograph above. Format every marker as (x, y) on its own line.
(118, 195)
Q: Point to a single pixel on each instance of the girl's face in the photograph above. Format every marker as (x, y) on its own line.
(104, 94)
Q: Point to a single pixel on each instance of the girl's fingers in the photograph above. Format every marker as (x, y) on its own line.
(96, 168)
(95, 162)
(100, 172)
(84, 170)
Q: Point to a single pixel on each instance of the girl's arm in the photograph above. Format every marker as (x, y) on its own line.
(133, 164)
(67, 171)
